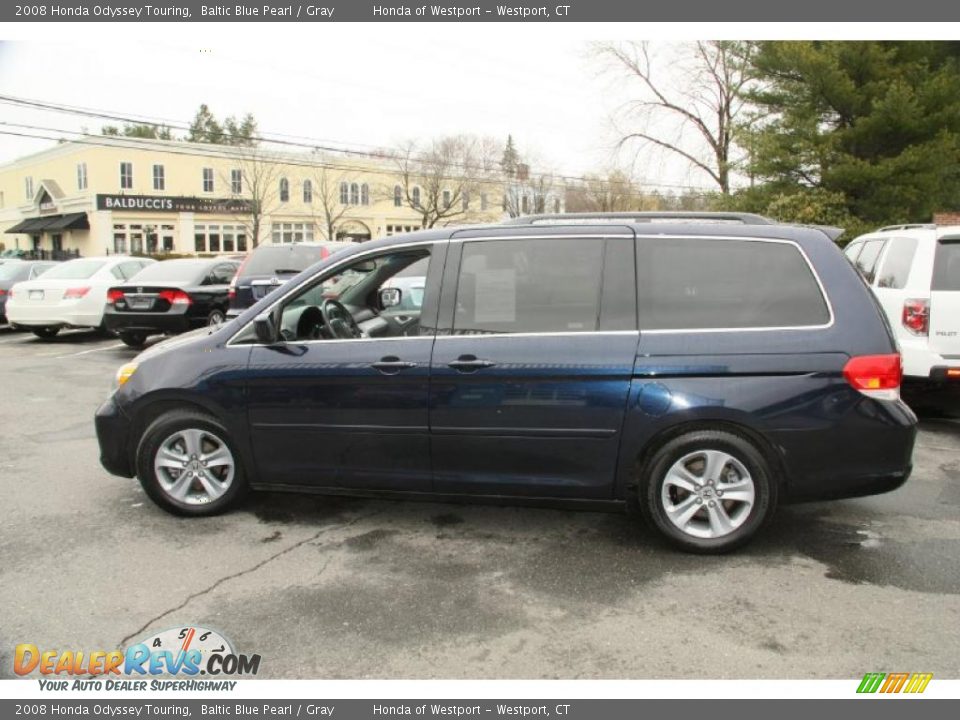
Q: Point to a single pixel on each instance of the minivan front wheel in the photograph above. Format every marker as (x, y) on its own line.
(708, 491)
(188, 466)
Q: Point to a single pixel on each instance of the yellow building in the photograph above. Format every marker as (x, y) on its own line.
(104, 195)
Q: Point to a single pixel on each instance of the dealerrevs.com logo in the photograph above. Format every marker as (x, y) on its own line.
(898, 682)
(182, 652)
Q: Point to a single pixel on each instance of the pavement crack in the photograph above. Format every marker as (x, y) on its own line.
(241, 573)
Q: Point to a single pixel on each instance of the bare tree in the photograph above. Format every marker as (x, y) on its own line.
(443, 180)
(693, 111)
(613, 192)
(259, 173)
(329, 212)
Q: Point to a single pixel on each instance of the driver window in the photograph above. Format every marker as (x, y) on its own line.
(348, 304)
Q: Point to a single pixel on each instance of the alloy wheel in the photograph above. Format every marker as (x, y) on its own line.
(194, 466)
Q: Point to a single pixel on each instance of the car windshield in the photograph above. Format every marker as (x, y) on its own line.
(281, 259)
(74, 270)
(173, 271)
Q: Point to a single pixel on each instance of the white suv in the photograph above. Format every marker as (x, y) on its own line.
(914, 270)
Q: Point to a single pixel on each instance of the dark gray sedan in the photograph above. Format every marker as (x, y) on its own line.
(14, 271)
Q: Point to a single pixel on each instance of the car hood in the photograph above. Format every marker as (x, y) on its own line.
(178, 341)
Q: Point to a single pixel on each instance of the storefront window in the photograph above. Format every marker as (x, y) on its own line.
(291, 232)
(220, 238)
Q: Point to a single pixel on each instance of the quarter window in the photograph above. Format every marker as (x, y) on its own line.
(126, 176)
(867, 260)
(529, 286)
(897, 263)
(159, 178)
(208, 179)
(706, 283)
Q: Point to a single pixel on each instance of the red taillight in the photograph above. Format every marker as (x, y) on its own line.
(113, 294)
(75, 293)
(3, 292)
(175, 297)
(231, 292)
(877, 376)
(916, 316)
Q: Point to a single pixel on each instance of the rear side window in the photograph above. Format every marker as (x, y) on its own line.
(946, 265)
(897, 263)
(281, 259)
(867, 260)
(537, 286)
(704, 283)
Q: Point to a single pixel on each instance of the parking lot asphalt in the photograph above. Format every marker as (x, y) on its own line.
(341, 588)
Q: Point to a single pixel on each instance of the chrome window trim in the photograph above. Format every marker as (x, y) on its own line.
(665, 331)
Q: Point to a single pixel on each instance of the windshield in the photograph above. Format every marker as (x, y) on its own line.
(174, 271)
(281, 259)
(74, 270)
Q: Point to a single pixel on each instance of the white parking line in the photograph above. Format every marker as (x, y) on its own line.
(85, 352)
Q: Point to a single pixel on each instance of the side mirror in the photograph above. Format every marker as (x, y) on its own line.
(265, 328)
(390, 297)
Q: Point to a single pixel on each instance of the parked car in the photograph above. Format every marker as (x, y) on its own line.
(169, 297)
(914, 270)
(269, 266)
(701, 369)
(72, 294)
(14, 271)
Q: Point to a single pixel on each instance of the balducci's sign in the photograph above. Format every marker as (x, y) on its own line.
(158, 203)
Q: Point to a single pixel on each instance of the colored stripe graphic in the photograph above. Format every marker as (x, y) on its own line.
(895, 682)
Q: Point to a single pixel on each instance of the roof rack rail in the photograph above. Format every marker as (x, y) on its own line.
(909, 226)
(642, 217)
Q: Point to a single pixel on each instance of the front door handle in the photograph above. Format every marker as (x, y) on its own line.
(391, 365)
(469, 364)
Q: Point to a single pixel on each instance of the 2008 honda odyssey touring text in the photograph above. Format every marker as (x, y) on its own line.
(705, 367)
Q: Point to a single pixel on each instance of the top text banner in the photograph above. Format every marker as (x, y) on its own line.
(483, 11)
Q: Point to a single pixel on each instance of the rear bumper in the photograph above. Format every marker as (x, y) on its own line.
(113, 435)
(151, 322)
(867, 451)
(51, 316)
(921, 363)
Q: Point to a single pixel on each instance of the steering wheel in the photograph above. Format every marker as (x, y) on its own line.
(339, 321)
(309, 325)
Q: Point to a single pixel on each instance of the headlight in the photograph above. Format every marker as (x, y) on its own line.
(124, 374)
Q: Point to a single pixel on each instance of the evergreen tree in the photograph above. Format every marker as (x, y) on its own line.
(510, 159)
(873, 124)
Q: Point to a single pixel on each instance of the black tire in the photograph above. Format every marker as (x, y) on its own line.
(216, 317)
(654, 472)
(134, 339)
(45, 333)
(160, 431)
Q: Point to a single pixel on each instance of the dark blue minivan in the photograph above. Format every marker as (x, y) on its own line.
(704, 367)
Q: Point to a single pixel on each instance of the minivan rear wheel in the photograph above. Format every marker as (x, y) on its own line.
(188, 465)
(707, 491)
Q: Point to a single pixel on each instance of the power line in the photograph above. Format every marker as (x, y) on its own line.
(320, 145)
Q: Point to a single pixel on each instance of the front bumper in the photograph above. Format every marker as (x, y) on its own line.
(113, 435)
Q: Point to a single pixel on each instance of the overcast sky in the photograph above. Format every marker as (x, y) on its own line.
(340, 87)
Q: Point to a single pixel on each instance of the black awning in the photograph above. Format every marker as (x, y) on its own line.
(69, 221)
